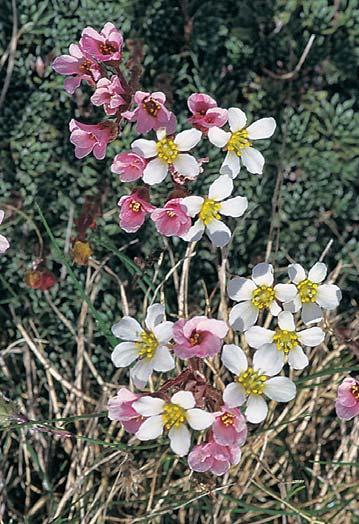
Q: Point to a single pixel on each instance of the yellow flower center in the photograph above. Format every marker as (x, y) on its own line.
(135, 206)
(307, 291)
(263, 296)
(355, 391)
(173, 416)
(171, 214)
(238, 142)
(167, 150)
(228, 419)
(85, 67)
(252, 381)
(147, 345)
(106, 48)
(209, 211)
(285, 340)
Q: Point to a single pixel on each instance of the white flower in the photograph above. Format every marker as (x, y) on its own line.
(238, 142)
(210, 210)
(256, 294)
(310, 294)
(168, 151)
(148, 346)
(173, 416)
(251, 383)
(284, 341)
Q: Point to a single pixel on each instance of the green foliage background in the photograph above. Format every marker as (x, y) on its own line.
(231, 50)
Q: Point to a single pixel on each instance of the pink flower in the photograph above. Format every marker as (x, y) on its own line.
(347, 403)
(89, 138)
(213, 457)
(133, 211)
(79, 65)
(151, 113)
(229, 427)
(103, 46)
(4, 243)
(129, 166)
(108, 93)
(120, 408)
(172, 220)
(199, 337)
(205, 112)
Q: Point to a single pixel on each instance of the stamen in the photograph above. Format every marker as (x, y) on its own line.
(167, 150)
(209, 211)
(355, 391)
(135, 206)
(285, 340)
(252, 381)
(85, 67)
(151, 106)
(263, 296)
(173, 416)
(307, 291)
(228, 419)
(148, 345)
(238, 142)
(107, 48)
(171, 214)
(195, 338)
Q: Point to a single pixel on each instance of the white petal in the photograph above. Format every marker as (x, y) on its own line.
(262, 128)
(234, 395)
(141, 371)
(193, 204)
(148, 406)
(234, 207)
(164, 332)
(286, 321)
(240, 288)
(163, 360)
(257, 409)
(2, 214)
(262, 274)
(318, 273)
(253, 160)
(188, 139)
(296, 273)
(161, 133)
(311, 337)
(293, 305)
(195, 232)
(311, 313)
(285, 292)
(151, 428)
(329, 296)
(218, 233)
(180, 440)
(185, 399)
(234, 359)
(127, 328)
(146, 148)
(236, 118)
(297, 359)
(221, 188)
(281, 389)
(274, 308)
(231, 165)
(186, 165)
(218, 137)
(124, 354)
(268, 360)
(155, 171)
(155, 315)
(199, 419)
(256, 336)
(242, 316)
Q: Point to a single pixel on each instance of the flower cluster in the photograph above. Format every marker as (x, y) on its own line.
(96, 60)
